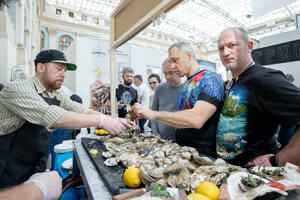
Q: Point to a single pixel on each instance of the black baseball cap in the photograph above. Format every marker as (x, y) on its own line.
(53, 55)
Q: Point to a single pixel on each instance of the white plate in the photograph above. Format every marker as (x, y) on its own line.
(67, 164)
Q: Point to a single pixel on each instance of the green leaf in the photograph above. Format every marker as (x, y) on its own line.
(163, 187)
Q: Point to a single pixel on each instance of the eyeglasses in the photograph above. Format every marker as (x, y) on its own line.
(150, 83)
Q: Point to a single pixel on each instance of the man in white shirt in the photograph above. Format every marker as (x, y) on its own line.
(143, 97)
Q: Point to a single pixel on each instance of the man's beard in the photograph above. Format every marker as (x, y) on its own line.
(50, 85)
(127, 83)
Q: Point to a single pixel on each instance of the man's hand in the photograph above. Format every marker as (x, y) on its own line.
(263, 160)
(49, 183)
(112, 125)
(127, 124)
(143, 112)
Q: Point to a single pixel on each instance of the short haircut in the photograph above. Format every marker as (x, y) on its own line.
(184, 47)
(126, 70)
(46, 64)
(239, 33)
(290, 77)
(138, 77)
(1, 86)
(166, 62)
(153, 75)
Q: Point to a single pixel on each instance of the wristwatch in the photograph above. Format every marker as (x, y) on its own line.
(274, 160)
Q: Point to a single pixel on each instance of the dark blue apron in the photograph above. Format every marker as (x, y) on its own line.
(24, 151)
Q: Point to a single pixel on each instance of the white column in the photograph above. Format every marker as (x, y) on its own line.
(113, 82)
(52, 38)
(20, 23)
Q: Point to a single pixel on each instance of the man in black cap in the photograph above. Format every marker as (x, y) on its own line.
(30, 109)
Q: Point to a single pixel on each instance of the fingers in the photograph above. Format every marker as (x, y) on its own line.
(263, 160)
(125, 123)
(117, 127)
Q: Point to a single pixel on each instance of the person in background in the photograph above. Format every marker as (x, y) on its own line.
(31, 109)
(153, 81)
(198, 104)
(78, 99)
(286, 133)
(166, 98)
(143, 97)
(40, 186)
(126, 94)
(62, 134)
(1, 87)
(258, 100)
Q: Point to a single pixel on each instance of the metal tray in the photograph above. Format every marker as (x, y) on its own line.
(111, 176)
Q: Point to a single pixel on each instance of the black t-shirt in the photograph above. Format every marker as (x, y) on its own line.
(205, 86)
(125, 95)
(258, 101)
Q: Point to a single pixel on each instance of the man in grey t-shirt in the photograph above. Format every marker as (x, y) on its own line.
(166, 98)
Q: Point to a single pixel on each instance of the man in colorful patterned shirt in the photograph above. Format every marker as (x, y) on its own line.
(198, 104)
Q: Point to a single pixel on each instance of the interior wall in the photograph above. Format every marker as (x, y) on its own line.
(93, 63)
(7, 46)
(146, 57)
(289, 67)
(70, 79)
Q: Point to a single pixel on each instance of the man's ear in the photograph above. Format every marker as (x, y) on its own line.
(40, 68)
(250, 46)
(190, 55)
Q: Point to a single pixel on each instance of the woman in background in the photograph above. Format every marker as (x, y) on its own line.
(153, 81)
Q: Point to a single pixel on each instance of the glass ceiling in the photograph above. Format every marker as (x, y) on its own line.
(201, 21)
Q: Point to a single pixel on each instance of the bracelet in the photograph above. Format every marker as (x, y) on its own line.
(41, 187)
(102, 116)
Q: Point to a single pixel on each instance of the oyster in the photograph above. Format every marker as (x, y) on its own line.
(201, 160)
(172, 180)
(186, 155)
(184, 178)
(196, 179)
(176, 167)
(110, 162)
(275, 174)
(107, 154)
(250, 182)
(118, 140)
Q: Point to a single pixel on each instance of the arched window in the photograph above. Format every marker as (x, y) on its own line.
(42, 47)
(64, 42)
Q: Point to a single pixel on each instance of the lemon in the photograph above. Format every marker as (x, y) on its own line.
(132, 177)
(196, 196)
(209, 189)
(102, 132)
(94, 152)
(97, 131)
